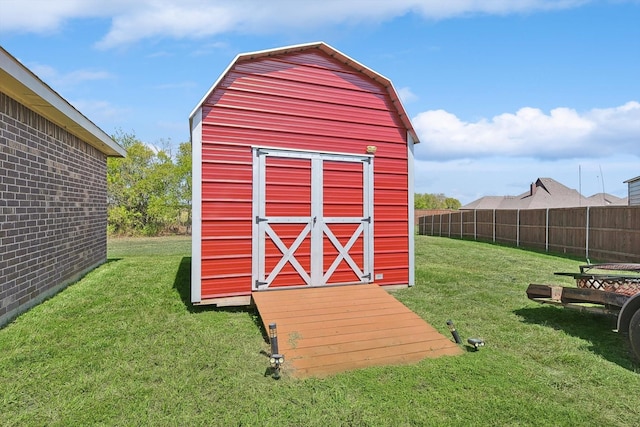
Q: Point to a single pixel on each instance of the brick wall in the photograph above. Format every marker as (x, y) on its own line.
(53, 211)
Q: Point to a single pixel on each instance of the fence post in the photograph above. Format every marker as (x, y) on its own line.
(494, 226)
(449, 224)
(461, 217)
(586, 243)
(518, 228)
(546, 234)
(432, 219)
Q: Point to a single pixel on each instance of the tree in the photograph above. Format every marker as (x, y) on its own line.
(146, 191)
(435, 201)
(451, 203)
(127, 186)
(183, 175)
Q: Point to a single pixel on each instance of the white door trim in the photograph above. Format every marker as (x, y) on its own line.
(316, 225)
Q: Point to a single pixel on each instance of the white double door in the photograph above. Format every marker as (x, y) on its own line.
(312, 218)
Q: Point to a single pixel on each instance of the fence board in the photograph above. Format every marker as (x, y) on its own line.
(567, 231)
(507, 227)
(484, 226)
(532, 228)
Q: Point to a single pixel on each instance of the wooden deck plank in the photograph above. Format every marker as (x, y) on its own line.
(381, 343)
(366, 312)
(317, 293)
(326, 330)
(329, 305)
(313, 311)
(393, 352)
(368, 320)
(278, 300)
(339, 327)
(409, 358)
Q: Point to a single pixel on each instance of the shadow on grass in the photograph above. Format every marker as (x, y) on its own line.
(597, 329)
(182, 285)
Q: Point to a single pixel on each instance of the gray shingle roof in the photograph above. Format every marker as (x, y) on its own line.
(604, 199)
(544, 193)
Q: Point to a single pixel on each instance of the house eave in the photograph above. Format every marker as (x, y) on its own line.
(19, 83)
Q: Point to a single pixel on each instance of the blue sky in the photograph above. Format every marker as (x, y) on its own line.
(501, 92)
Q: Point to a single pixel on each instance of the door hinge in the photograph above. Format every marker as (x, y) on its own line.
(367, 159)
(366, 276)
(259, 283)
(259, 220)
(367, 219)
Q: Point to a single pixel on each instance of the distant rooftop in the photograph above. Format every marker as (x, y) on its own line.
(545, 193)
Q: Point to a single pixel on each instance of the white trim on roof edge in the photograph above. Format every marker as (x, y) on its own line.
(637, 178)
(331, 52)
(21, 84)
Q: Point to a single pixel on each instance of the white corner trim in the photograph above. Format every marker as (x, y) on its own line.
(196, 206)
(410, 186)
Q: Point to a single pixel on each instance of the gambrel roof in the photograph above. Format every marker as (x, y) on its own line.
(334, 53)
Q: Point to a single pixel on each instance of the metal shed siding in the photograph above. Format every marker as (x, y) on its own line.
(304, 101)
(226, 219)
(634, 191)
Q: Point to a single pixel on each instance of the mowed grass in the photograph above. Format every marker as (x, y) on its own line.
(124, 347)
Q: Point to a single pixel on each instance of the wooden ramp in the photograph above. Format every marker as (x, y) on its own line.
(322, 331)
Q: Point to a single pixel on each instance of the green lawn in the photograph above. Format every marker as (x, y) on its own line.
(124, 347)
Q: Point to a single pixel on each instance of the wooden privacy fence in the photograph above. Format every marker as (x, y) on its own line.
(602, 233)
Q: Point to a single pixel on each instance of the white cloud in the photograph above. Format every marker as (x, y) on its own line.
(45, 16)
(406, 96)
(132, 21)
(562, 133)
(78, 76)
(101, 112)
(62, 80)
(185, 19)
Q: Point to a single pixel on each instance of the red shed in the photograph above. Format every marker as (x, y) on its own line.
(302, 176)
